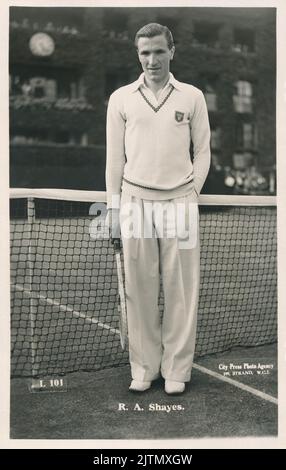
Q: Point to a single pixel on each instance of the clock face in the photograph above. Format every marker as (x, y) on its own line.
(41, 44)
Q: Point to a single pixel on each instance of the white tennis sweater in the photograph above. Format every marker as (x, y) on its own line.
(148, 151)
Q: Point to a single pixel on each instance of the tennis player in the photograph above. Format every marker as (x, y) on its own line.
(151, 124)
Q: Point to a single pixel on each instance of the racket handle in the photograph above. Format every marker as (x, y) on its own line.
(116, 244)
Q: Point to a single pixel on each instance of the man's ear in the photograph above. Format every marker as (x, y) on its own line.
(172, 52)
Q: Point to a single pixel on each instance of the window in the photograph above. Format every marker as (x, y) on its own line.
(246, 137)
(67, 88)
(243, 40)
(51, 84)
(215, 138)
(241, 161)
(211, 97)
(206, 33)
(36, 87)
(243, 97)
(61, 137)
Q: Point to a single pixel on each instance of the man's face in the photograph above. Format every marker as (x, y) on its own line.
(155, 56)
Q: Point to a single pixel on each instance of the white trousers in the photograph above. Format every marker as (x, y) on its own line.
(167, 346)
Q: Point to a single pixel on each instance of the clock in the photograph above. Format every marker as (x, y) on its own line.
(41, 44)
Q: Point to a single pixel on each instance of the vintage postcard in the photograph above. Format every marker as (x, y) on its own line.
(142, 216)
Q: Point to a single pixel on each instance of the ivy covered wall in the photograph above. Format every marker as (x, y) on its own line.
(102, 49)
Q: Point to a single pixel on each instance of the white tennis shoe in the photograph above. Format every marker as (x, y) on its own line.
(138, 386)
(174, 388)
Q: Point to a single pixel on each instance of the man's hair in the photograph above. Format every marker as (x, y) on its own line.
(151, 30)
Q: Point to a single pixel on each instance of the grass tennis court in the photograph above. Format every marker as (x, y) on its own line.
(89, 407)
(64, 321)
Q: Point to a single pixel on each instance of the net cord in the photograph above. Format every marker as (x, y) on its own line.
(100, 196)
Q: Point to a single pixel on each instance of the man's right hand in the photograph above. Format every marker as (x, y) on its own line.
(113, 224)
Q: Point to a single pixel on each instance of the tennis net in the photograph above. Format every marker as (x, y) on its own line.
(64, 294)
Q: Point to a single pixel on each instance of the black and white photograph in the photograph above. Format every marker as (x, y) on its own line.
(143, 194)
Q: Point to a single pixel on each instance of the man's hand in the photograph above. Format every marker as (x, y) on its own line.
(113, 224)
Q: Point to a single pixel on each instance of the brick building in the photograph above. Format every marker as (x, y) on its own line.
(65, 62)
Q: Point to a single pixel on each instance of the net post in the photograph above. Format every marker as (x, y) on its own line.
(32, 297)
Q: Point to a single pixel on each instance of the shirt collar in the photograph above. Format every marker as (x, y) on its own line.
(140, 82)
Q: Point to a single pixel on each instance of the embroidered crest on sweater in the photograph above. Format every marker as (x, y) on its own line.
(179, 116)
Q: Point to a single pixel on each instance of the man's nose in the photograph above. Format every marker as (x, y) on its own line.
(152, 59)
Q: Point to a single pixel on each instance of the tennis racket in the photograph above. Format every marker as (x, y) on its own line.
(121, 298)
